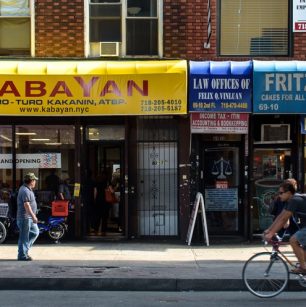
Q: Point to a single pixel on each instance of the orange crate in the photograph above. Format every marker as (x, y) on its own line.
(60, 208)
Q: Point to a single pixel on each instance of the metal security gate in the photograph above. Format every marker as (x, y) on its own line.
(157, 182)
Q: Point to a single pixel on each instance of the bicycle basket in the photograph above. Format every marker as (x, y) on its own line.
(4, 209)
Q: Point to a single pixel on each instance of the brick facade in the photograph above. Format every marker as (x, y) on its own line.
(59, 28)
(185, 32)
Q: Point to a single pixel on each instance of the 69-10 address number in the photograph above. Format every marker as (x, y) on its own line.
(268, 107)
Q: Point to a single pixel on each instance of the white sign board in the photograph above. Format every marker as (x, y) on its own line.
(199, 200)
(299, 15)
(31, 160)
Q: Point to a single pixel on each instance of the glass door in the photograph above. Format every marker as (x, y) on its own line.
(221, 189)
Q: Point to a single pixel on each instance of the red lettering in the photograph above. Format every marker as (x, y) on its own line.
(35, 86)
(111, 87)
(61, 88)
(132, 84)
(86, 87)
(9, 88)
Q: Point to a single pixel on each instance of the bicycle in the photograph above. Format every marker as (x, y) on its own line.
(266, 274)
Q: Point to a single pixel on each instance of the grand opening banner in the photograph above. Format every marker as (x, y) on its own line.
(93, 88)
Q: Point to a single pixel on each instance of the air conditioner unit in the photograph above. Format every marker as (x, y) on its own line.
(275, 133)
(109, 49)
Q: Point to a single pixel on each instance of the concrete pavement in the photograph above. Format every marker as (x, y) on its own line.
(127, 266)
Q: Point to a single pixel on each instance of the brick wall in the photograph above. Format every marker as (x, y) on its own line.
(59, 28)
(185, 32)
(185, 29)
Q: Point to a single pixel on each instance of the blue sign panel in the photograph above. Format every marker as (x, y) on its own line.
(279, 87)
(220, 86)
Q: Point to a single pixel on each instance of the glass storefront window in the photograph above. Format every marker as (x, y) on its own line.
(45, 150)
(270, 167)
(105, 133)
(5, 173)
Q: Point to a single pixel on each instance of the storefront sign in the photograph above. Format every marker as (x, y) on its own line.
(221, 199)
(299, 15)
(98, 88)
(220, 86)
(221, 184)
(31, 160)
(219, 123)
(279, 87)
(77, 188)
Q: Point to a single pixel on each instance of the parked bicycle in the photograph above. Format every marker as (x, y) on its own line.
(267, 274)
(54, 227)
(3, 232)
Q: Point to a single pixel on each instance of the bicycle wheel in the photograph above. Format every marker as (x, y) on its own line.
(56, 232)
(265, 274)
(3, 233)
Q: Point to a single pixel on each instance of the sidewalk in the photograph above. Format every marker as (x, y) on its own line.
(127, 266)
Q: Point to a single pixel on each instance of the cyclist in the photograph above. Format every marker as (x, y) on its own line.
(295, 205)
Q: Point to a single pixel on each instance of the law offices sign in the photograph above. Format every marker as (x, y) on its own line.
(220, 86)
(31, 160)
(299, 15)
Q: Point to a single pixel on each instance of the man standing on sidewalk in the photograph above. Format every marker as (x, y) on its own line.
(26, 217)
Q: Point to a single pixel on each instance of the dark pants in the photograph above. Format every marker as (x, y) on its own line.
(101, 213)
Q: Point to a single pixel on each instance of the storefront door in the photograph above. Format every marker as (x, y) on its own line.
(105, 162)
(221, 188)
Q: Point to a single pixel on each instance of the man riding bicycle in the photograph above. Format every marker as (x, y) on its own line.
(295, 205)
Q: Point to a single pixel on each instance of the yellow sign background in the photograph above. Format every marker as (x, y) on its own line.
(159, 89)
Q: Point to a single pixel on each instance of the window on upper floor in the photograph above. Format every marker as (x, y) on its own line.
(125, 27)
(254, 28)
(15, 28)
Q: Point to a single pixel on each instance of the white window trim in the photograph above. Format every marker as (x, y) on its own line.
(123, 28)
(32, 22)
(86, 28)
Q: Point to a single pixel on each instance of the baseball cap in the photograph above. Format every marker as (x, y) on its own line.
(30, 176)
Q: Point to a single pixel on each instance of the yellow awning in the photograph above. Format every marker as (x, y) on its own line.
(82, 88)
(91, 67)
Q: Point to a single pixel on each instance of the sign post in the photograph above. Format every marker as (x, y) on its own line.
(199, 200)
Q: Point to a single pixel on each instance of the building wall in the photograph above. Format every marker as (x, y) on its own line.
(185, 32)
(59, 28)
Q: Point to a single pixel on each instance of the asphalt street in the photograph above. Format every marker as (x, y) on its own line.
(147, 299)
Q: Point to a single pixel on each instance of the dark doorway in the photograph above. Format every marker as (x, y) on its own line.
(105, 164)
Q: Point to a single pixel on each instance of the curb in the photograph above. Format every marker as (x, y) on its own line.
(120, 284)
(129, 284)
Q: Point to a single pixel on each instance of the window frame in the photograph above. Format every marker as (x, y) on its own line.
(290, 36)
(32, 30)
(124, 18)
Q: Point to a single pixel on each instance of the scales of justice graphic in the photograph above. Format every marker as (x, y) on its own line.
(222, 168)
